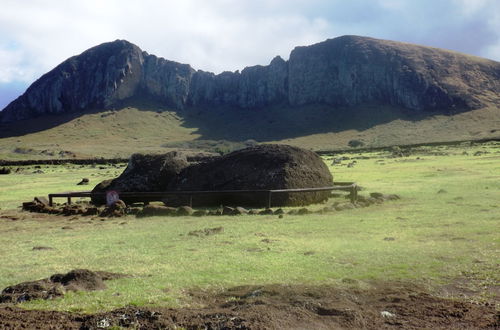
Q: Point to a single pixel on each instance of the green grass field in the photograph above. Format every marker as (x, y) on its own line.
(443, 234)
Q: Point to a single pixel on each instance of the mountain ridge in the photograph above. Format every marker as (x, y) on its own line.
(339, 72)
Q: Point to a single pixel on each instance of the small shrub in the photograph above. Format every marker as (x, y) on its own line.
(355, 143)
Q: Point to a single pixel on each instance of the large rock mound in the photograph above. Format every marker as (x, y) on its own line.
(144, 173)
(255, 168)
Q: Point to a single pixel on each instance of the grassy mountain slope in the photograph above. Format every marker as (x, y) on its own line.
(147, 127)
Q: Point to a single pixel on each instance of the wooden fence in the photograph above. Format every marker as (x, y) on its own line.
(351, 187)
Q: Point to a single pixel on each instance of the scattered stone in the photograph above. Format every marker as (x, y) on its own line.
(156, 210)
(442, 191)
(5, 170)
(266, 212)
(206, 232)
(39, 248)
(91, 211)
(387, 314)
(200, 213)
(303, 211)
(377, 195)
(241, 210)
(117, 209)
(349, 206)
(85, 181)
(184, 211)
(227, 210)
(279, 211)
(267, 240)
(389, 239)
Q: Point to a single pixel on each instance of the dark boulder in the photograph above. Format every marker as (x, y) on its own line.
(261, 167)
(144, 173)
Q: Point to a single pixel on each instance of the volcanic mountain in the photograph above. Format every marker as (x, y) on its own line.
(348, 75)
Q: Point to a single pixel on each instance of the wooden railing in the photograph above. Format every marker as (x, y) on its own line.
(158, 196)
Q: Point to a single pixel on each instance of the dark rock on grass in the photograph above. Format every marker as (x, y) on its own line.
(134, 210)
(442, 191)
(279, 211)
(57, 285)
(85, 181)
(40, 248)
(261, 167)
(266, 212)
(144, 173)
(376, 195)
(226, 210)
(91, 211)
(5, 170)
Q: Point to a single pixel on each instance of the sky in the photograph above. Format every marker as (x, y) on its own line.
(227, 35)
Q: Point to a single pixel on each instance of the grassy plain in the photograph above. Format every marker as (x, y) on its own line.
(443, 234)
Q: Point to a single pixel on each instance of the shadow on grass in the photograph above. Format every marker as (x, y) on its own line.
(272, 123)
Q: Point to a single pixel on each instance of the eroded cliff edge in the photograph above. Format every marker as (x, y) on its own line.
(344, 71)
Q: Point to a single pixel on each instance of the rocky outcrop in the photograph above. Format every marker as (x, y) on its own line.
(352, 70)
(144, 173)
(344, 71)
(261, 167)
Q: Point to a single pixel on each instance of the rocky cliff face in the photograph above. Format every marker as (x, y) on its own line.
(344, 71)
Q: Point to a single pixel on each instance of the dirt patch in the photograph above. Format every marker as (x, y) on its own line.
(281, 307)
(57, 285)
